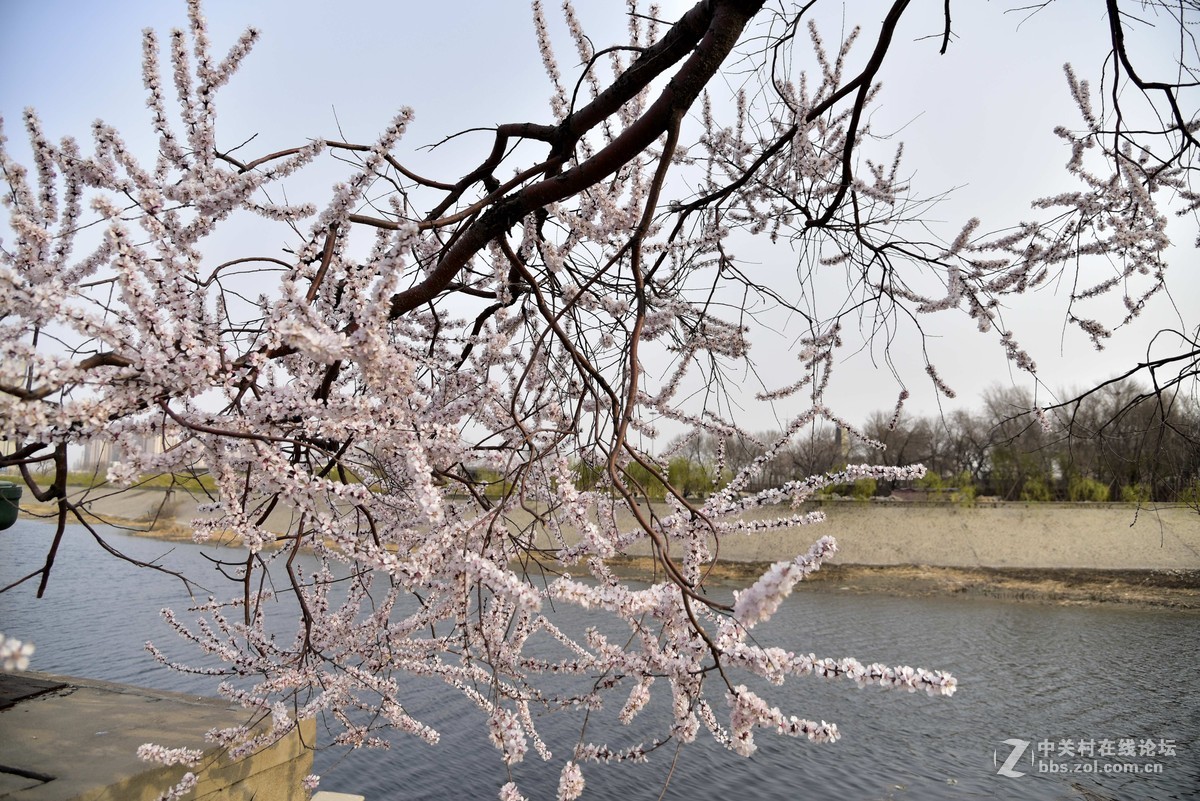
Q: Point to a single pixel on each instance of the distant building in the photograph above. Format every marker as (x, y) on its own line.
(99, 454)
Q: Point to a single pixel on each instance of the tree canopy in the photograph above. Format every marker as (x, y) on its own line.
(419, 372)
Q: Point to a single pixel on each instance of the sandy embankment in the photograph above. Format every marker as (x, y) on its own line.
(1009, 535)
(1060, 552)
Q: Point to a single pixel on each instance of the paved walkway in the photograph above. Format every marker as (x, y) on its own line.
(72, 738)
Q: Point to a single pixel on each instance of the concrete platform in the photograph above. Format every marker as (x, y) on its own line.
(72, 739)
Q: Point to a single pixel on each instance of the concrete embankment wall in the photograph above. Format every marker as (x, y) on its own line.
(1044, 535)
(1025, 535)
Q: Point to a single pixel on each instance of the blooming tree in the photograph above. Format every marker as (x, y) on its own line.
(421, 374)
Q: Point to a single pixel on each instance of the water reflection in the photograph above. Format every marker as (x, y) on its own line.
(1030, 672)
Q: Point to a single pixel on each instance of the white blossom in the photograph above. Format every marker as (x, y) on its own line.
(14, 654)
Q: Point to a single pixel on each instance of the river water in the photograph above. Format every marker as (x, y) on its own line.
(1098, 678)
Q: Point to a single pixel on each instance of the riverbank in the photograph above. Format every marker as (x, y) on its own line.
(1062, 553)
(1051, 552)
(1172, 589)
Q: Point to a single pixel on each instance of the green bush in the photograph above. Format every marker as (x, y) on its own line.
(1135, 493)
(587, 476)
(184, 481)
(959, 489)
(491, 483)
(863, 489)
(931, 481)
(642, 482)
(1035, 489)
(1190, 494)
(1080, 488)
(965, 490)
(692, 479)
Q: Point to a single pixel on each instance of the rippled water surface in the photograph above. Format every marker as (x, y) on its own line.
(1026, 672)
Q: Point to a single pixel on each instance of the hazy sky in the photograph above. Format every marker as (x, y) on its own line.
(978, 120)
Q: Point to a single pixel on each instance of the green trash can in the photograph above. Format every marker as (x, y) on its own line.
(10, 496)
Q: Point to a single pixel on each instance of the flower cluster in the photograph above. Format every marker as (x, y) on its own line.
(760, 601)
(570, 782)
(507, 735)
(14, 654)
(748, 711)
(169, 756)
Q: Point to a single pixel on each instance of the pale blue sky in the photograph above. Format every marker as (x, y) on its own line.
(979, 118)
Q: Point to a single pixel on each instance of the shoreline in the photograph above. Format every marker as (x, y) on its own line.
(1164, 589)
(1045, 553)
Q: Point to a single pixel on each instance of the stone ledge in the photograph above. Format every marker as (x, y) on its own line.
(78, 742)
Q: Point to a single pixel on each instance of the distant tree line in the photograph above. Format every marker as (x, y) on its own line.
(1120, 443)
